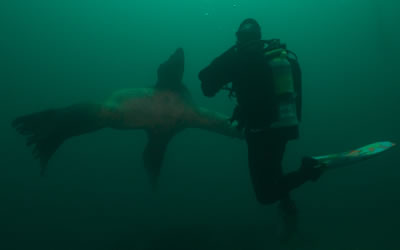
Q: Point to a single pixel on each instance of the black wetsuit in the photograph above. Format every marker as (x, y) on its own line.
(247, 69)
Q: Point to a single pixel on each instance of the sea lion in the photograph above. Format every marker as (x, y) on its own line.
(162, 111)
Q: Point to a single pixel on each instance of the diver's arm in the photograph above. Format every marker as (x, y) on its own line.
(219, 73)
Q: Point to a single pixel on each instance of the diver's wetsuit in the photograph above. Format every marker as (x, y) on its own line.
(251, 80)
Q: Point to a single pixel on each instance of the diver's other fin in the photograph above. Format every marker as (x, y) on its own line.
(153, 155)
(47, 130)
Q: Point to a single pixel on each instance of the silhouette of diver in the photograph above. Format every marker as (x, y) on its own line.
(266, 81)
(162, 111)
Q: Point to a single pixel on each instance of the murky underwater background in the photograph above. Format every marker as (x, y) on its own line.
(96, 195)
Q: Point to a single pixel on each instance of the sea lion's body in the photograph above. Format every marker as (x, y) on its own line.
(150, 108)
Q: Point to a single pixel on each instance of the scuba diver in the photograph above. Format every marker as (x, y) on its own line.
(265, 78)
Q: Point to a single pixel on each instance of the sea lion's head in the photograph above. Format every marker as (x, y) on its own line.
(170, 72)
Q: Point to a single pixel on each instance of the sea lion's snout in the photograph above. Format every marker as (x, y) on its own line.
(179, 54)
(171, 71)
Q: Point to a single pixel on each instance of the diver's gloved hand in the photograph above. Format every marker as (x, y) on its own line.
(312, 168)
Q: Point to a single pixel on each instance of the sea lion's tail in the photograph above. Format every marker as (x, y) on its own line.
(48, 129)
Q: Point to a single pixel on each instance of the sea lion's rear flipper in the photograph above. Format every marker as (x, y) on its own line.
(48, 129)
(153, 155)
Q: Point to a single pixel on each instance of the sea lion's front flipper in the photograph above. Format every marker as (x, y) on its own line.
(153, 154)
(213, 121)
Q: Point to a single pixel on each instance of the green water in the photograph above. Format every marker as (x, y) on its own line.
(96, 195)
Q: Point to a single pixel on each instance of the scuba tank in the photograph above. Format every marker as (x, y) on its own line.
(283, 85)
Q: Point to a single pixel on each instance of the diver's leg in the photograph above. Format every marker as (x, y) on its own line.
(266, 153)
(288, 214)
(48, 129)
